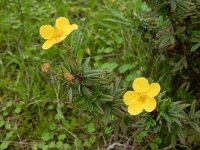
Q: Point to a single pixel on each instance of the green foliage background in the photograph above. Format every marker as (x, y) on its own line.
(127, 39)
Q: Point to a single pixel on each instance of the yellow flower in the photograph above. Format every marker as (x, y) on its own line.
(54, 35)
(142, 97)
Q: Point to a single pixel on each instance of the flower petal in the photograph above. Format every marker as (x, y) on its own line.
(130, 97)
(135, 108)
(59, 39)
(140, 84)
(150, 104)
(49, 43)
(154, 90)
(73, 27)
(63, 24)
(47, 31)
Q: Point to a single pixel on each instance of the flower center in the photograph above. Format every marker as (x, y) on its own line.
(59, 33)
(142, 97)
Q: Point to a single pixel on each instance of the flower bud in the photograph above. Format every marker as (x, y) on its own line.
(46, 67)
(68, 77)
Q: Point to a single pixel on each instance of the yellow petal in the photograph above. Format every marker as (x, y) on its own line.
(135, 108)
(49, 43)
(154, 90)
(150, 104)
(130, 97)
(73, 27)
(47, 31)
(140, 84)
(69, 29)
(59, 39)
(63, 24)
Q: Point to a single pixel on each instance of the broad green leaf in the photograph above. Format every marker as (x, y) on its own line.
(109, 66)
(2, 122)
(4, 145)
(66, 147)
(125, 67)
(59, 144)
(52, 126)
(52, 144)
(46, 136)
(61, 137)
(154, 146)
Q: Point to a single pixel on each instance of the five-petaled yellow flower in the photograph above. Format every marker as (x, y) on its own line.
(143, 96)
(54, 35)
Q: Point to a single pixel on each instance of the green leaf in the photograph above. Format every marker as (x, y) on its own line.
(181, 135)
(195, 126)
(77, 144)
(86, 64)
(109, 66)
(98, 108)
(173, 138)
(176, 114)
(108, 50)
(59, 144)
(166, 117)
(52, 144)
(169, 126)
(46, 136)
(143, 134)
(173, 5)
(177, 121)
(45, 147)
(85, 91)
(152, 122)
(157, 140)
(18, 109)
(4, 145)
(9, 135)
(165, 40)
(108, 130)
(91, 128)
(196, 115)
(196, 34)
(183, 106)
(154, 146)
(34, 146)
(79, 100)
(125, 67)
(192, 108)
(195, 47)
(2, 122)
(52, 126)
(66, 146)
(70, 94)
(93, 73)
(61, 137)
(8, 126)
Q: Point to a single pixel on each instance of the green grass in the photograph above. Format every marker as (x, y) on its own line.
(34, 110)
